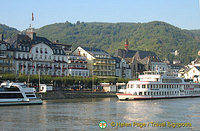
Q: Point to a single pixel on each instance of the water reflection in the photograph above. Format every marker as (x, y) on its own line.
(84, 114)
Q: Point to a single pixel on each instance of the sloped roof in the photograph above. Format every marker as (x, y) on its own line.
(95, 51)
(125, 53)
(144, 54)
(21, 39)
(155, 59)
(117, 59)
(197, 67)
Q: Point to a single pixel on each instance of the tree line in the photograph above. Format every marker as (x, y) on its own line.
(61, 82)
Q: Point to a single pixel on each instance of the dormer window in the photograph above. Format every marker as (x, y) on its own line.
(36, 50)
(41, 50)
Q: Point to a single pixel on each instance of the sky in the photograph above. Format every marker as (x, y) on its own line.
(184, 14)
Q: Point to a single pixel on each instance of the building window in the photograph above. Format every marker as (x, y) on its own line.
(45, 50)
(41, 50)
(36, 49)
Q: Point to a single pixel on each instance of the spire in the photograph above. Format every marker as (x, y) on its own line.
(32, 17)
(30, 31)
(126, 45)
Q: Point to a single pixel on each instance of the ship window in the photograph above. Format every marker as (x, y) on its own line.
(10, 95)
(30, 95)
(140, 93)
(145, 93)
(13, 88)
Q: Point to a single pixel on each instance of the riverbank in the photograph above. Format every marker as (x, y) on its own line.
(75, 94)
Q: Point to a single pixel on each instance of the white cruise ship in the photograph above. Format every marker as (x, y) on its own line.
(152, 85)
(17, 94)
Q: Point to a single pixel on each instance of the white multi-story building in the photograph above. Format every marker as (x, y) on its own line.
(100, 63)
(38, 55)
(77, 66)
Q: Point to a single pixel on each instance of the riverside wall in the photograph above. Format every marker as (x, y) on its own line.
(75, 94)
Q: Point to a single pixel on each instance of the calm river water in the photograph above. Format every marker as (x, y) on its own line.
(85, 114)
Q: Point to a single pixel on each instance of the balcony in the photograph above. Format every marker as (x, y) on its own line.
(3, 56)
(80, 68)
(77, 61)
(103, 63)
(24, 59)
(59, 61)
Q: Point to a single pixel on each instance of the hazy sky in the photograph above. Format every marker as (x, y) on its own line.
(181, 13)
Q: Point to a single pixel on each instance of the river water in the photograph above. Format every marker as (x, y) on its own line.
(85, 114)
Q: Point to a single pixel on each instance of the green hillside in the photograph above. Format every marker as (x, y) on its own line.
(155, 36)
(7, 31)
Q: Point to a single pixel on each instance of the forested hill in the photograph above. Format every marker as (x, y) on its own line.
(157, 36)
(7, 31)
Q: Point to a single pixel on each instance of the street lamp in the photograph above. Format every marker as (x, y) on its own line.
(79, 85)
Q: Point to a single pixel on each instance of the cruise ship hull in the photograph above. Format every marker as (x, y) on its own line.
(122, 96)
(31, 102)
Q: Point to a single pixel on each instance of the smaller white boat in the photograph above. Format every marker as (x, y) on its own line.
(17, 94)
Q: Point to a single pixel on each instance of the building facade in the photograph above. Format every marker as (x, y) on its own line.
(99, 62)
(6, 57)
(123, 69)
(37, 55)
(77, 66)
